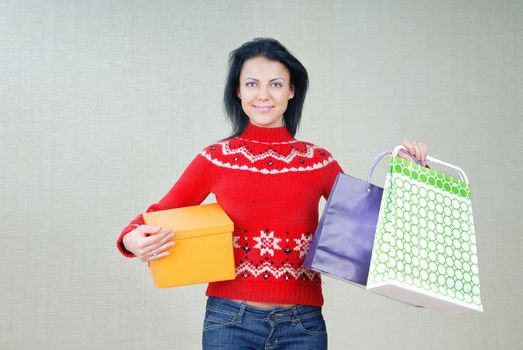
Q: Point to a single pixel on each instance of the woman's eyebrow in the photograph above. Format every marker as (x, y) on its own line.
(249, 78)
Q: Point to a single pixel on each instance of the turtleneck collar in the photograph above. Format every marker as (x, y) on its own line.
(258, 133)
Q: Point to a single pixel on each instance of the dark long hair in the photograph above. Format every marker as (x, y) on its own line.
(272, 50)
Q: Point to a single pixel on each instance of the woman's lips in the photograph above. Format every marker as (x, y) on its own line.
(263, 109)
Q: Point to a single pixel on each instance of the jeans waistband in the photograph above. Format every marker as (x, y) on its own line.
(243, 310)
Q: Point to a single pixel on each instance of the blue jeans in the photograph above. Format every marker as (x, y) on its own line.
(232, 325)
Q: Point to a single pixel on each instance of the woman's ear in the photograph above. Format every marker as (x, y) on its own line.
(292, 92)
(238, 93)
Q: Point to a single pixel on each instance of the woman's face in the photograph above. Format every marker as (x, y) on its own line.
(264, 89)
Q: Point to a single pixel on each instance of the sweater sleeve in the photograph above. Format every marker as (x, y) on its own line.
(191, 188)
(329, 177)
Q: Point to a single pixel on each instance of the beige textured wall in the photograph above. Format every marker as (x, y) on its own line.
(103, 104)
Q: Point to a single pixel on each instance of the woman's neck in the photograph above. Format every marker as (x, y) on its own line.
(263, 134)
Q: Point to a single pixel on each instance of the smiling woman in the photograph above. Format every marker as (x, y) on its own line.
(264, 77)
(270, 184)
(264, 91)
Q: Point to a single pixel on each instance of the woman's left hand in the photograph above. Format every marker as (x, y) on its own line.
(417, 148)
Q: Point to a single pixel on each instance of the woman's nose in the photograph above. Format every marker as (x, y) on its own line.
(263, 94)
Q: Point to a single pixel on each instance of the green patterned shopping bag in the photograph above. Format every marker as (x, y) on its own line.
(425, 250)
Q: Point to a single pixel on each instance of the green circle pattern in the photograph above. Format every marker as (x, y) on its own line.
(429, 177)
(425, 234)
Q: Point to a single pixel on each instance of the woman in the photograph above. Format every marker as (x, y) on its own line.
(270, 185)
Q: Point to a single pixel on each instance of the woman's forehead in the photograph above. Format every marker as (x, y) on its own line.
(263, 68)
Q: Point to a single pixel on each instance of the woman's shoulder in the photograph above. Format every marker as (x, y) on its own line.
(322, 155)
(320, 150)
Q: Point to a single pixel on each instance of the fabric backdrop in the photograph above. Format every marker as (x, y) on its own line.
(104, 103)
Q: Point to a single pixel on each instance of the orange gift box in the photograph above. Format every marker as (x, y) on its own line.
(203, 251)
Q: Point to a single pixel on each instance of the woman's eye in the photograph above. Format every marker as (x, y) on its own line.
(250, 84)
(277, 85)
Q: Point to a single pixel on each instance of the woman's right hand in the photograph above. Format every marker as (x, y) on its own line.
(148, 242)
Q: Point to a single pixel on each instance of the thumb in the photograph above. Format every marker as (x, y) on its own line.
(150, 229)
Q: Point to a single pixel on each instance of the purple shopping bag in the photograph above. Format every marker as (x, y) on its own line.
(342, 244)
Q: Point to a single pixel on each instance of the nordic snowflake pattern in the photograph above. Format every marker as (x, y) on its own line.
(309, 153)
(266, 270)
(302, 244)
(254, 169)
(256, 159)
(267, 243)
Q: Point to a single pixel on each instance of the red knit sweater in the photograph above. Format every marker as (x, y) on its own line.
(270, 185)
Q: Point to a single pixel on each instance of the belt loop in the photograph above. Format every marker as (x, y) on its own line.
(241, 312)
(295, 316)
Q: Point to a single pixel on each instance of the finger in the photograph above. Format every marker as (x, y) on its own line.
(418, 150)
(149, 229)
(153, 256)
(155, 238)
(158, 250)
(410, 149)
(409, 146)
(425, 153)
(146, 255)
(157, 256)
(158, 237)
(148, 244)
(164, 247)
(159, 247)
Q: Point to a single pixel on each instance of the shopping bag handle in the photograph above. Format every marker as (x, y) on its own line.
(382, 155)
(437, 161)
(403, 149)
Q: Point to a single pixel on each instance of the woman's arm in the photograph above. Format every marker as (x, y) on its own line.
(193, 186)
(329, 177)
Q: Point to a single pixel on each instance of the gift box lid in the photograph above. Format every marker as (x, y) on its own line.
(191, 222)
